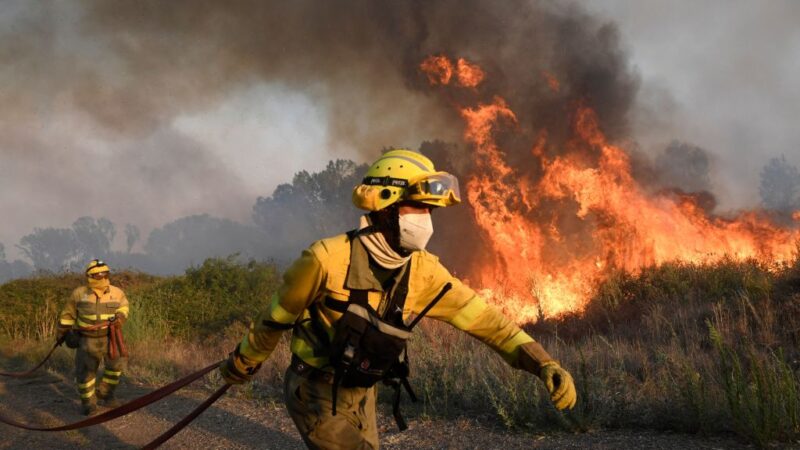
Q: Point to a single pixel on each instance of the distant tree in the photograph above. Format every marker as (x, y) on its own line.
(314, 205)
(132, 236)
(50, 249)
(57, 249)
(94, 237)
(191, 240)
(780, 185)
(684, 166)
(14, 269)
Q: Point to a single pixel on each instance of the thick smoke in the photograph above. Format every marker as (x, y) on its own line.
(359, 58)
(94, 89)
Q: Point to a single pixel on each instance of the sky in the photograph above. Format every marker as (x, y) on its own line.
(86, 126)
(722, 75)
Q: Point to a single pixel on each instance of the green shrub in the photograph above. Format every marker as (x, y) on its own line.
(208, 298)
(30, 305)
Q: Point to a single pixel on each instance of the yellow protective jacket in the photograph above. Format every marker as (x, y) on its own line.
(84, 308)
(328, 269)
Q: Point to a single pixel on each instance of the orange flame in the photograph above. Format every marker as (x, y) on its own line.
(530, 225)
(440, 71)
(469, 75)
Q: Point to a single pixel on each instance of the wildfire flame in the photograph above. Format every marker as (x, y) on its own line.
(530, 224)
(440, 70)
(469, 75)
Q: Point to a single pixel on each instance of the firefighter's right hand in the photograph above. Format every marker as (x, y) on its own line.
(238, 369)
(61, 331)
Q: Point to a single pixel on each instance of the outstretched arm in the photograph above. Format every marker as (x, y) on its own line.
(464, 309)
(301, 282)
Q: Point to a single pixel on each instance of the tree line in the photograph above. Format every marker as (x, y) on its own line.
(297, 213)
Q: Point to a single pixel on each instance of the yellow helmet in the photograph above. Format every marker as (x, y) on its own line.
(405, 175)
(96, 266)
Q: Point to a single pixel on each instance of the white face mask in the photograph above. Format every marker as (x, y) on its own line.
(415, 231)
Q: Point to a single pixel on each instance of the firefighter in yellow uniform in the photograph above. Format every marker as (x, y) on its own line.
(89, 314)
(383, 257)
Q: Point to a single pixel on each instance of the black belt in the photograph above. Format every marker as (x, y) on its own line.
(310, 372)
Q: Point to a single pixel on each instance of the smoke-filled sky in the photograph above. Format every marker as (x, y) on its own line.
(722, 75)
(144, 112)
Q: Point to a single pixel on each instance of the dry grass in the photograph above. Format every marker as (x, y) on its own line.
(693, 349)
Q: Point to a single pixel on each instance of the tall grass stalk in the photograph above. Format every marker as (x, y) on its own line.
(761, 392)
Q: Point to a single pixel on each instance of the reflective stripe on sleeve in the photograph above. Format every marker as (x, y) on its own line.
(246, 350)
(520, 338)
(469, 313)
(279, 314)
(67, 322)
(124, 310)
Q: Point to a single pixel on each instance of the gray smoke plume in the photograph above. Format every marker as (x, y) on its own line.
(142, 111)
(357, 59)
(94, 93)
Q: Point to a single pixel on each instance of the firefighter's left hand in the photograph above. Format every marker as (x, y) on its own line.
(120, 319)
(237, 369)
(560, 385)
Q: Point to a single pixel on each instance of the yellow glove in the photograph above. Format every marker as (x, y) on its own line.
(238, 369)
(560, 385)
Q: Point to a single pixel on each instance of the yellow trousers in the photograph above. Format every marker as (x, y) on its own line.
(310, 405)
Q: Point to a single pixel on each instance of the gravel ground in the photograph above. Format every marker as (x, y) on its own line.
(233, 423)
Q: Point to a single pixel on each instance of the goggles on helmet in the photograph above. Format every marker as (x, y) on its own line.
(438, 186)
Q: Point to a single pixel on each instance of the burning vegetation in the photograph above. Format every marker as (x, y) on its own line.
(559, 221)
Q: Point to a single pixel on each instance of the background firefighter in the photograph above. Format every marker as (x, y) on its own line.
(384, 257)
(92, 319)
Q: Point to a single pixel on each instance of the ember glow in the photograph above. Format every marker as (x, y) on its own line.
(555, 238)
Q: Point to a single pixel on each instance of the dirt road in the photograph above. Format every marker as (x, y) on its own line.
(234, 423)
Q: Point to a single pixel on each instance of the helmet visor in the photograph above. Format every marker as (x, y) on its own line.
(440, 186)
